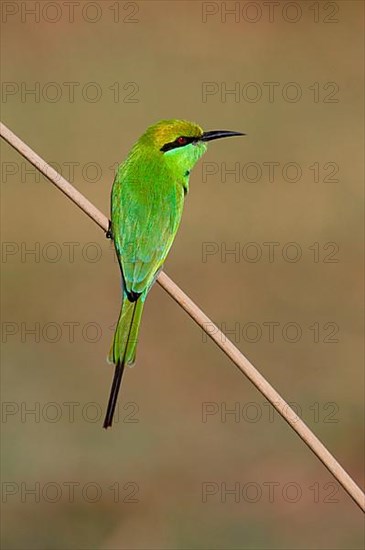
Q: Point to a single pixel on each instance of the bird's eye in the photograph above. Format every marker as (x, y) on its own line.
(182, 140)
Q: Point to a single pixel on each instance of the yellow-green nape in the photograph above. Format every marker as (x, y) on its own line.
(166, 131)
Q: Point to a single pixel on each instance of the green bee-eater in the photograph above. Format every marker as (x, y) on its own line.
(146, 207)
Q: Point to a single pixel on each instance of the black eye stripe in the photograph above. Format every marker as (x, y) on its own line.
(175, 144)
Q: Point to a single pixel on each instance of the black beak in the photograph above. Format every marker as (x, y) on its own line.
(217, 134)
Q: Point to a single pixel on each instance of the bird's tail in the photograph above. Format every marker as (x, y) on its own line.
(123, 349)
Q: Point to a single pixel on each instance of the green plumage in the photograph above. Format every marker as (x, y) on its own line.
(146, 207)
(126, 335)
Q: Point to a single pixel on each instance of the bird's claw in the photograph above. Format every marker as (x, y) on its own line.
(109, 233)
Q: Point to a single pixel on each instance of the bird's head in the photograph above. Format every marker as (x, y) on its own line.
(181, 143)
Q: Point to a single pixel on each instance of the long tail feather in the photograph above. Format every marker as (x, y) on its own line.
(118, 374)
(123, 349)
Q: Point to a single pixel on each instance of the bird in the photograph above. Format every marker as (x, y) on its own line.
(147, 202)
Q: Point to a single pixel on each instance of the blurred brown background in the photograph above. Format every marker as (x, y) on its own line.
(160, 478)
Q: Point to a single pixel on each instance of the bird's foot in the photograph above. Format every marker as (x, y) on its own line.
(109, 233)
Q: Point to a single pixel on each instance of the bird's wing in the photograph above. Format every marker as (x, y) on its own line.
(145, 218)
